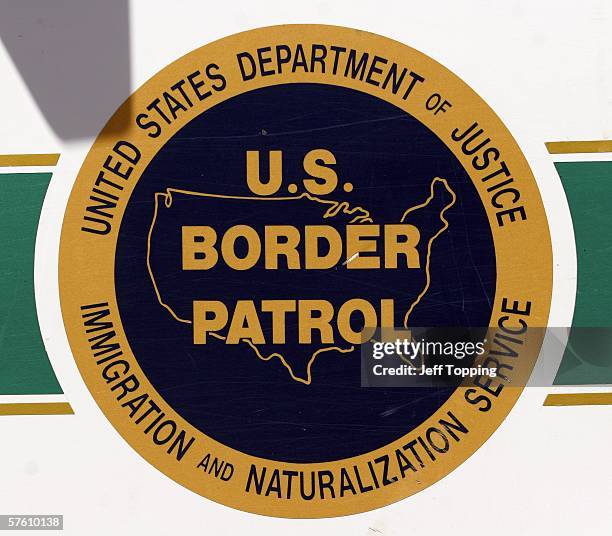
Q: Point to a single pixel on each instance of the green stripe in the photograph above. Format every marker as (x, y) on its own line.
(24, 364)
(588, 358)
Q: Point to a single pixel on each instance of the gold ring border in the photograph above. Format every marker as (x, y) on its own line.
(523, 252)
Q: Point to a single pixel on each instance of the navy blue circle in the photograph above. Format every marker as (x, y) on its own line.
(226, 391)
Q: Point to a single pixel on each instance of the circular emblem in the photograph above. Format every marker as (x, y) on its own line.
(245, 221)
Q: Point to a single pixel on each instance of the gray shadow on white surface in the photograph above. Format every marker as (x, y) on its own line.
(74, 56)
